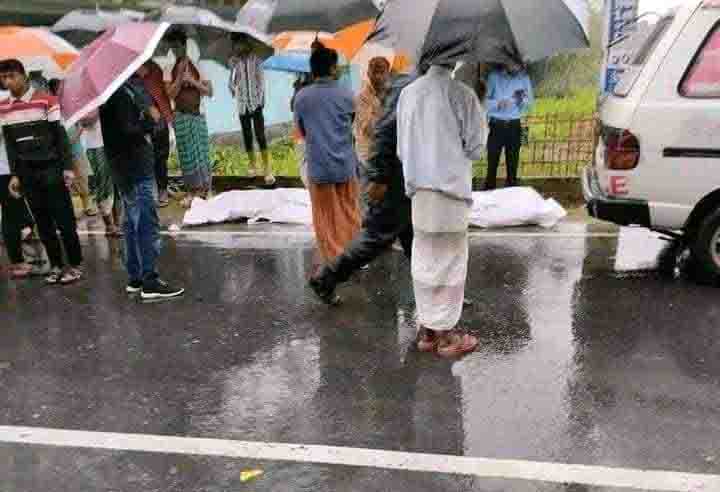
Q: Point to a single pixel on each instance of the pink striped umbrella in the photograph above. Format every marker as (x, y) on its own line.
(105, 64)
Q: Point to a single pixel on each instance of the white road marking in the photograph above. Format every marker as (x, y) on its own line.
(309, 234)
(372, 458)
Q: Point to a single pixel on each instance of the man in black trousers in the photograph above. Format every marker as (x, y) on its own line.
(389, 217)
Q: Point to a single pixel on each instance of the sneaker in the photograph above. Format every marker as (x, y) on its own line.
(158, 289)
(326, 295)
(134, 286)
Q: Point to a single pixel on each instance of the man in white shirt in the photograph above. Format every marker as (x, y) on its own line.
(441, 131)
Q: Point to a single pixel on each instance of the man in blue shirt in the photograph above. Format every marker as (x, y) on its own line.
(509, 98)
(324, 112)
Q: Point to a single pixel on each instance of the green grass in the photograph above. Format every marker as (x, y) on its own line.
(581, 102)
(233, 161)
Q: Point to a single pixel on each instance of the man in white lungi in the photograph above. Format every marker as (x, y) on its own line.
(441, 131)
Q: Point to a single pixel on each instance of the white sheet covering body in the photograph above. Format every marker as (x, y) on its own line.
(500, 208)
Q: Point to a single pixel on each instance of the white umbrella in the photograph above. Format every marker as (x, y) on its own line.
(210, 31)
(95, 20)
(484, 30)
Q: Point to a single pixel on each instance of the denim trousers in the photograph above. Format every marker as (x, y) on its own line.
(142, 238)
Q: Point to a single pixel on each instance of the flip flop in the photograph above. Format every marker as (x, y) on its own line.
(71, 276)
(426, 345)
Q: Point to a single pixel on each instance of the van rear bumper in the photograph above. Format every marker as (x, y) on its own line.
(617, 210)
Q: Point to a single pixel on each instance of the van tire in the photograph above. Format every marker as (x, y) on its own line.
(707, 263)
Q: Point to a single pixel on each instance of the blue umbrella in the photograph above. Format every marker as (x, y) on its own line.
(289, 61)
(298, 62)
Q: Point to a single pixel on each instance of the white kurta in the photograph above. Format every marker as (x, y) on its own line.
(441, 130)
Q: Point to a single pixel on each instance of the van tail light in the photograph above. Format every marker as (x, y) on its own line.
(622, 149)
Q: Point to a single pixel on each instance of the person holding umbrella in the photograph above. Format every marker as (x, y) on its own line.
(437, 164)
(127, 125)
(187, 89)
(43, 173)
(247, 85)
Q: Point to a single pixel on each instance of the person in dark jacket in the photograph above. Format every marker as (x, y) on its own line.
(127, 123)
(42, 174)
(389, 217)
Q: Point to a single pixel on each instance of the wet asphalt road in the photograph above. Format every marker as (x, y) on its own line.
(587, 356)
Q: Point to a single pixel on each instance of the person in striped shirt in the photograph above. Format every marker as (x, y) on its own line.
(153, 80)
(247, 85)
(44, 178)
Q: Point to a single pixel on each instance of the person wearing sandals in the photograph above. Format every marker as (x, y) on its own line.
(127, 125)
(12, 220)
(44, 174)
(81, 165)
(187, 88)
(103, 187)
(437, 164)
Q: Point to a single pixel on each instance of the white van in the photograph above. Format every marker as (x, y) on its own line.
(657, 162)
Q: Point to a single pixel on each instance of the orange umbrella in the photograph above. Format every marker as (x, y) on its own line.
(349, 42)
(346, 42)
(38, 49)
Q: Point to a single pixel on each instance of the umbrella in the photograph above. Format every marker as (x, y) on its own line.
(302, 15)
(484, 30)
(105, 64)
(289, 61)
(209, 29)
(349, 43)
(296, 61)
(38, 49)
(95, 20)
(81, 26)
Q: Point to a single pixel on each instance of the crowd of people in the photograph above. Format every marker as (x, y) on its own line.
(392, 163)
(415, 140)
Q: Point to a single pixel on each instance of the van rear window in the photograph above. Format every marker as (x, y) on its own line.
(641, 56)
(702, 80)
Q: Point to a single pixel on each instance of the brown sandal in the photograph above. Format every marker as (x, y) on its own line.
(459, 344)
(427, 341)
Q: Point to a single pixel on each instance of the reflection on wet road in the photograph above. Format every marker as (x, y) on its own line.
(583, 361)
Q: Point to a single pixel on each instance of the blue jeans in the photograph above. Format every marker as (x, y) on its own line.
(142, 240)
